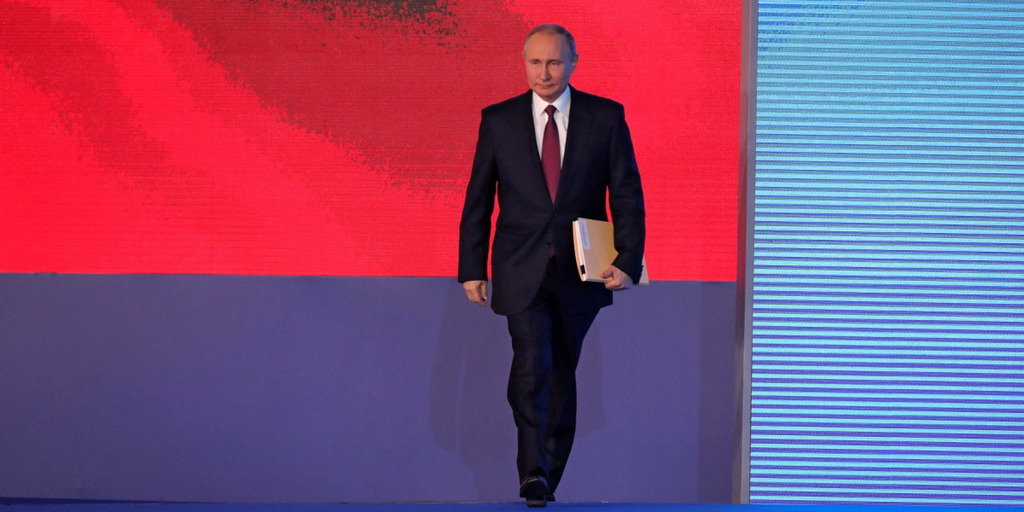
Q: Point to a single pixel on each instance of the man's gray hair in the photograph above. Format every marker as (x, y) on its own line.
(551, 28)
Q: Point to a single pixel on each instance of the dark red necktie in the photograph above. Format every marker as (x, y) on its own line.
(550, 153)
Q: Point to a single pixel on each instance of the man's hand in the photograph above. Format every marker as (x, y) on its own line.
(615, 279)
(476, 291)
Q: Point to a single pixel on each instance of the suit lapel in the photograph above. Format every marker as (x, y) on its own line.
(529, 135)
(521, 128)
(576, 144)
(577, 140)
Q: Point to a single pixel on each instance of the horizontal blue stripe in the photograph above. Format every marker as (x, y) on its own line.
(850, 379)
(861, 429)
(769, 498)
(767, 369)
(821, 308)
(943, 439)
(803, 384)
(1015, 461)
(770, 417)
(822, 448)
(885, 482)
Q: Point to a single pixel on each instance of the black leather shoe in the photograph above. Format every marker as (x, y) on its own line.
(535, 490)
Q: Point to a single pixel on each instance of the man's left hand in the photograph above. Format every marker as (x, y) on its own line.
(615, 279)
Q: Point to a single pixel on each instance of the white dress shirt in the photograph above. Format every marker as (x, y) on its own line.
(540, 121)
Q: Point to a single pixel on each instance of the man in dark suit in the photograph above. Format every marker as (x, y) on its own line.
(551, 155)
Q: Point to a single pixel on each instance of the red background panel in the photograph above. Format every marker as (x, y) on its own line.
(331, 137)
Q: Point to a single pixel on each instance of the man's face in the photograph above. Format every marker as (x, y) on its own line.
(549, 63)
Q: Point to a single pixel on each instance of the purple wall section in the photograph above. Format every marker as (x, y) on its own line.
(283, 389)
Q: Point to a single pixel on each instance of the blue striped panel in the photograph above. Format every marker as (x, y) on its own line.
(888, 273)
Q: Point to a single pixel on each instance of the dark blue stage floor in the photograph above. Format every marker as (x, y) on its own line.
(472, 507)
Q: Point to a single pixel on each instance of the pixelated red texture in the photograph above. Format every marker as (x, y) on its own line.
(331, 137)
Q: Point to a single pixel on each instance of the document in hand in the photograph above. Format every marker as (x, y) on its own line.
(595, 249)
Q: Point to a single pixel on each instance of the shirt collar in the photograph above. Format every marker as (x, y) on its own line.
(562, 104)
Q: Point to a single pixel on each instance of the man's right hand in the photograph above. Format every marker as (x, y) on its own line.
(476, 291)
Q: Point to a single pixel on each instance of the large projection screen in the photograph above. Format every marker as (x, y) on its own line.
(228, 251)
(331, 137)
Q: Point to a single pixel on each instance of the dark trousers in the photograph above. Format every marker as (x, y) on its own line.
(546, 343)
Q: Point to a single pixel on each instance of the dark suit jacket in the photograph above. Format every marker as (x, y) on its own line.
(598, 160)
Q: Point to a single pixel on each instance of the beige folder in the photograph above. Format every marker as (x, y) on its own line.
(595, 249)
